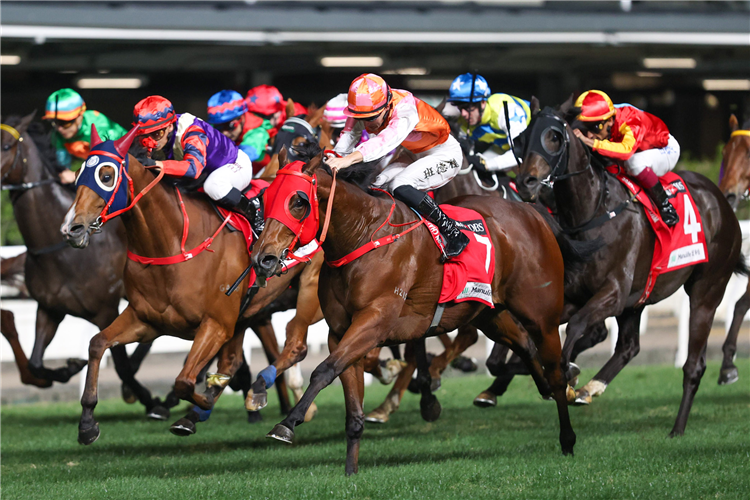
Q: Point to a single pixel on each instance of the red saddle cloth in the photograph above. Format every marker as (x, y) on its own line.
(676, 247)
(469, 275)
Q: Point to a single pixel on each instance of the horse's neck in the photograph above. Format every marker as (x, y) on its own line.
(154, 225)
(39, 211)
(354, 217)
(578, 196)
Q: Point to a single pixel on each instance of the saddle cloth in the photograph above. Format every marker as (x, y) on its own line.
(676, 247)
(469, 275)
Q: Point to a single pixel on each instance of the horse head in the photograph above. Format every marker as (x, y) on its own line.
(12, 170)
(102, 188)
(734, 179)
(298, 131)
(292, 214)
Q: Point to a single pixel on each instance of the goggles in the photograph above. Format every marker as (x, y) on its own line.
(467, 106)
(63, 124)
(231, 125)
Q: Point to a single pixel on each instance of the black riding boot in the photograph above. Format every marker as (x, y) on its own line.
(455, 240)
(660, 198)
(252, 208)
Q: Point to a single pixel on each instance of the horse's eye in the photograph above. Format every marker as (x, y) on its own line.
(299, 202)
(6, 147)
(107, 178)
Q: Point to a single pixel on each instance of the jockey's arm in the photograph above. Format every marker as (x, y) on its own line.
(194, 143)
(403, 121)
(622, 150)
(350, 136)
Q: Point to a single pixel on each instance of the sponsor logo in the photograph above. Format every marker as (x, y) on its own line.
(475, 226)
(686, 255)
(91, 162)
(475, 290)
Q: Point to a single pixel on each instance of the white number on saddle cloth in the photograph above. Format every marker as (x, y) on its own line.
(691, 225)
(486, 242)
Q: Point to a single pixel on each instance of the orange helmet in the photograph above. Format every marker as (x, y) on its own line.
(368, 96)
(595, 106)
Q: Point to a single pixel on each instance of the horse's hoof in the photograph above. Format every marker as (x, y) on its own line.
(158, 412)
(567, 452)
(127, 394)
(728, 376)
(464, 364)
(413, 386)
(311, 412)
(430, 408)
(281, 433)
(183, 427)
(485, 400)
(75, 365)
(253, 417)
(377, 416)
(256, 400)
(582, 398)
(88, 436)
(570, 394)
(435, 384)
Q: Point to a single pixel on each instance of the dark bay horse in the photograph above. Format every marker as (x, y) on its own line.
(390, 295)
(613, 283)
(61, 280)
(734, 183)
(186, 299)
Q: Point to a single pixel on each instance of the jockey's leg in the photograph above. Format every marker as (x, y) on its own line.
(433, 169)
(647, 166)
(226, 184)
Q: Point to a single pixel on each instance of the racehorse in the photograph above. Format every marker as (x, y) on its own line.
(185, 299)
(734, 184)
(613, 284)
(61, 280)
(390, 295)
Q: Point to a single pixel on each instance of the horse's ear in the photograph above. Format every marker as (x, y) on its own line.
(25, 122)
(283, 158)
(440, 107)
(567, 105)
(314, 163)
(314, 115)
(733, 123)
(535, 107)
(95, 139)
(289, 108)
(122, 145)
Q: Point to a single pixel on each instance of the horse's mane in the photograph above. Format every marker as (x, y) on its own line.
(43, 142)
(361, 175)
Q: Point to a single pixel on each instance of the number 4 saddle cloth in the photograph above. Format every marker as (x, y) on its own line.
(676, 247)
(469, 275)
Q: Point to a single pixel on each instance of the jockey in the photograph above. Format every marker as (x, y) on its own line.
(334, 115)
(192, 146)
(638, 140)
(483, 121)
(227, 112)
(395, 117)
(71, 123)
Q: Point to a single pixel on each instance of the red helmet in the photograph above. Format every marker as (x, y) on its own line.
(595, 106)
(368, 96)
(153, 113)
(264, 100)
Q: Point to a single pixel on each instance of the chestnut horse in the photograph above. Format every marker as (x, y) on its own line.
(734, 183)
(390, 295)
(186, 299)
(613, 284)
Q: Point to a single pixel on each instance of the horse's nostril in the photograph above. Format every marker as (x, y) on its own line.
(268, 262)
(530, 181)
(76, 229)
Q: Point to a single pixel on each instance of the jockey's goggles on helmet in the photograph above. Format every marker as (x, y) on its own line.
(370, 118)
(156, 135)
(63, 124)
(594, 126)
(467, 106)
(230, 125)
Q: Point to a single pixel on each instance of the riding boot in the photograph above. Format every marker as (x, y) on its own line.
(660, 198)
(455, 240)
(252, 208)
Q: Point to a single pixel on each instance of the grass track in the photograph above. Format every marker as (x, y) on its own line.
(508, 452)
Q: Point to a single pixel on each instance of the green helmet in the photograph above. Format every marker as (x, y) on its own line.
(65, 104)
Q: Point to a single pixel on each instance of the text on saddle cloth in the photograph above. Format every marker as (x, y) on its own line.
(469, 275)
(676, 247)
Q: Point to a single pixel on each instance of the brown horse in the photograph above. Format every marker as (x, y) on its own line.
(613, 284)
(187, 299)
(389, 295)
(734, 183)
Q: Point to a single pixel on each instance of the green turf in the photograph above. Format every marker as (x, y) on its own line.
(511, 451)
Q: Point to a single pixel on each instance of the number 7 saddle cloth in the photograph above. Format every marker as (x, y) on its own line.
(676, 247)
(469, 275)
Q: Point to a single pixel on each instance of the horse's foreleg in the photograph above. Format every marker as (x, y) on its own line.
(210, 337)
(257, 397)
(8, 328)
(381, 414)
(135, 363)
(352, 380)
(628, 346)
(728, 373)
(467, 336)
(125, 329)
(46, 328)
(125, 371)
(429, 407)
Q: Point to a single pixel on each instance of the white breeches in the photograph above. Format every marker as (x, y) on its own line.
(432, 169)
(661, 160)
(232, 175)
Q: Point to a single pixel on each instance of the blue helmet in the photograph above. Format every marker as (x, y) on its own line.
(461, 88)
(225, 106)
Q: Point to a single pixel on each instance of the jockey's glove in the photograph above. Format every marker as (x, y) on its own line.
(477, 163)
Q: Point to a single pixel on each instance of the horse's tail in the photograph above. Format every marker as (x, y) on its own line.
(741, 266)
(573, 251)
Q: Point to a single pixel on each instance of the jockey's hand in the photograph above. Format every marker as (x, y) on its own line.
(477, 163)
(345, 161)
(67, 176)
(584, 139)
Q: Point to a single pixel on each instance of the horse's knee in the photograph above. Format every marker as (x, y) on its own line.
(693, 372)
(183, 388)
(355, 425)
(97, 346)
(324, 373)
(631, 348)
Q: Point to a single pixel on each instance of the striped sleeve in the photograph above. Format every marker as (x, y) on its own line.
(194, 143)
(622, 150)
